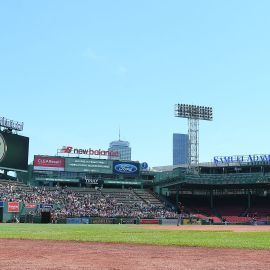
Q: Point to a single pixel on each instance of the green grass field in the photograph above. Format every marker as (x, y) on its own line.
(139, 235)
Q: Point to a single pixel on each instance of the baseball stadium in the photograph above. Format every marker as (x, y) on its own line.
(87, 209)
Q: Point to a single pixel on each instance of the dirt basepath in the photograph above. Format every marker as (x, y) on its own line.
(232, 228)
(28, 254)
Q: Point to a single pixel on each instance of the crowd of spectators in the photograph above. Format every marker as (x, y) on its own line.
(70, 203)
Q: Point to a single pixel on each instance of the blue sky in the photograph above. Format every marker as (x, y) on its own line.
(74, 71)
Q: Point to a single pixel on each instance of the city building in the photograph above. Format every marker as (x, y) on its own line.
(180, 149)
(123, 149)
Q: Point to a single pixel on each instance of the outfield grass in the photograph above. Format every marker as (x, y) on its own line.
(139, 235)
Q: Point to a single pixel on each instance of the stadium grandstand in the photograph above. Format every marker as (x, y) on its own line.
(212, 194)
(75, 187)
(230, 192)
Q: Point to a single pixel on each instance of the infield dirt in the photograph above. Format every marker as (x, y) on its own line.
(44, 254)
(232, 228)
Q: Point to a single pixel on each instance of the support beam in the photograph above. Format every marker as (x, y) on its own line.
(193, 136)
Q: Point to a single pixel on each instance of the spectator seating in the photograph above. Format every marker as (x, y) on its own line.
(76, 202)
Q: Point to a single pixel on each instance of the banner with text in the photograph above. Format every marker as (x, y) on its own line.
(149, 221)
(13, 207)
(30, 205)
(44, 163)
(88, 165)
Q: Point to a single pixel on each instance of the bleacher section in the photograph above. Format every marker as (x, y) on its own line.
(231, 209)
(236, 219)
(259, 208)
(123, 196)
(15, 184)
(83, 201)
(148, 197)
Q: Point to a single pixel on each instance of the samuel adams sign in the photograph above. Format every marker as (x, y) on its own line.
(242, 159)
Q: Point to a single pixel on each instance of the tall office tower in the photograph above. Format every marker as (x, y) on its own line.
(123, 149)
(180, 149)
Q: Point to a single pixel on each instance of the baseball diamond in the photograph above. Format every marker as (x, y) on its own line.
(134, 217)
(140, 135)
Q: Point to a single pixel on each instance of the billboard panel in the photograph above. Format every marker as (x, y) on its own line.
(88, 165)
(149, 221)
(13, 207)
(88, 179)
(44, 163)
(46, 206)
(13, 151)
(128, 168)
(30, 205)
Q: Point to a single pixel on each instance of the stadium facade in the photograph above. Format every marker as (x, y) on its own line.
(245, 181)
(91, 172)
(230, 187)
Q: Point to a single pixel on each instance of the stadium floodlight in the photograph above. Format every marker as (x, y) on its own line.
(193, 113)
(11, 124)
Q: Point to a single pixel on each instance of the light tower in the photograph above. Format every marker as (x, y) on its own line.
(193, 113)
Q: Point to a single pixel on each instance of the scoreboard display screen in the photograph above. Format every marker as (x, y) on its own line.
(13, 151)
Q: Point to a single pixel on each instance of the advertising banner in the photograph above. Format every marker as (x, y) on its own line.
(87, 151)
(144, 166)
(102, 220)
(13, 151)
(169, 221)
(91, 180)
(128, 221)
(1, 204)
(262, 222)
(122, 182)
(48, 179)
(149, 221)
(30, 205)
(84, 220)
(254, 158)
(45, 206)
(44, 163)
(73, 220)
(129, 167)
(88, 165)
(13, 207)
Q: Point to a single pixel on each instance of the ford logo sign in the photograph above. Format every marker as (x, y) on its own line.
(125, 168)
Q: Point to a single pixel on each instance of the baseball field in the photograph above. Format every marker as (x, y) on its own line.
(53, 246)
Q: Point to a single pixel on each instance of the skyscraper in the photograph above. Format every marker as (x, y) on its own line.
(123, 148)
(180, 149)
